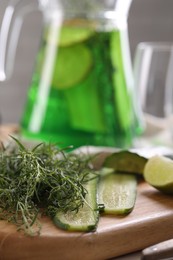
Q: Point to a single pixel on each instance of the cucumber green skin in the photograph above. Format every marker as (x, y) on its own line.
(60, 224)
(68, 227)
(117, 212)
(84, 228)
(126, 161)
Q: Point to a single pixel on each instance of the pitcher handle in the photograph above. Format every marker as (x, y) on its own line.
(11, 27)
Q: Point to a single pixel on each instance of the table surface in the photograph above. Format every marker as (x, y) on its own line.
(142, 223)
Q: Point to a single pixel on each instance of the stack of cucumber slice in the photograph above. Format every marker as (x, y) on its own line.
(113, 192)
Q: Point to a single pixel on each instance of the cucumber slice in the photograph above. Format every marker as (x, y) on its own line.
(86, 218)
(72, 65)
(117, 193)
(126, 161)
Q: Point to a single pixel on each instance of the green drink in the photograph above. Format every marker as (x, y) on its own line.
(87, 100)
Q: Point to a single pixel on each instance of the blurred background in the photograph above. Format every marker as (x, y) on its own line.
(149, 20)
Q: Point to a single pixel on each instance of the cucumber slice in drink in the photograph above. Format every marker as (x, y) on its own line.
(86, 218)
(72, 65)
(158, 172)
(126, 161)
(117, 193)
(121, 93)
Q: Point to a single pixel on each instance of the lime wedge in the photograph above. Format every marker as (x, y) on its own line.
(72, 65)
(158, 172)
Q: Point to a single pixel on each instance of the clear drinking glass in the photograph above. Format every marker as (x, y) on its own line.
(153, 73)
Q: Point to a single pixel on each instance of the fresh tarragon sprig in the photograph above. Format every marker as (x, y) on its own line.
(42, 179)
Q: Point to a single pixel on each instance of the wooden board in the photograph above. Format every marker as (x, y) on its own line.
(150, 222)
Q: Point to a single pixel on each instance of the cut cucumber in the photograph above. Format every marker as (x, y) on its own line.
(86, 218)
(117, 193)
(126, 161)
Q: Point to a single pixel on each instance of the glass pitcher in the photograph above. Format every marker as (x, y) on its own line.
(81, 91)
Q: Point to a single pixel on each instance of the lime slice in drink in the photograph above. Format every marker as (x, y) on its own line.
(158, 172)
(72, 35)
(72, 65)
